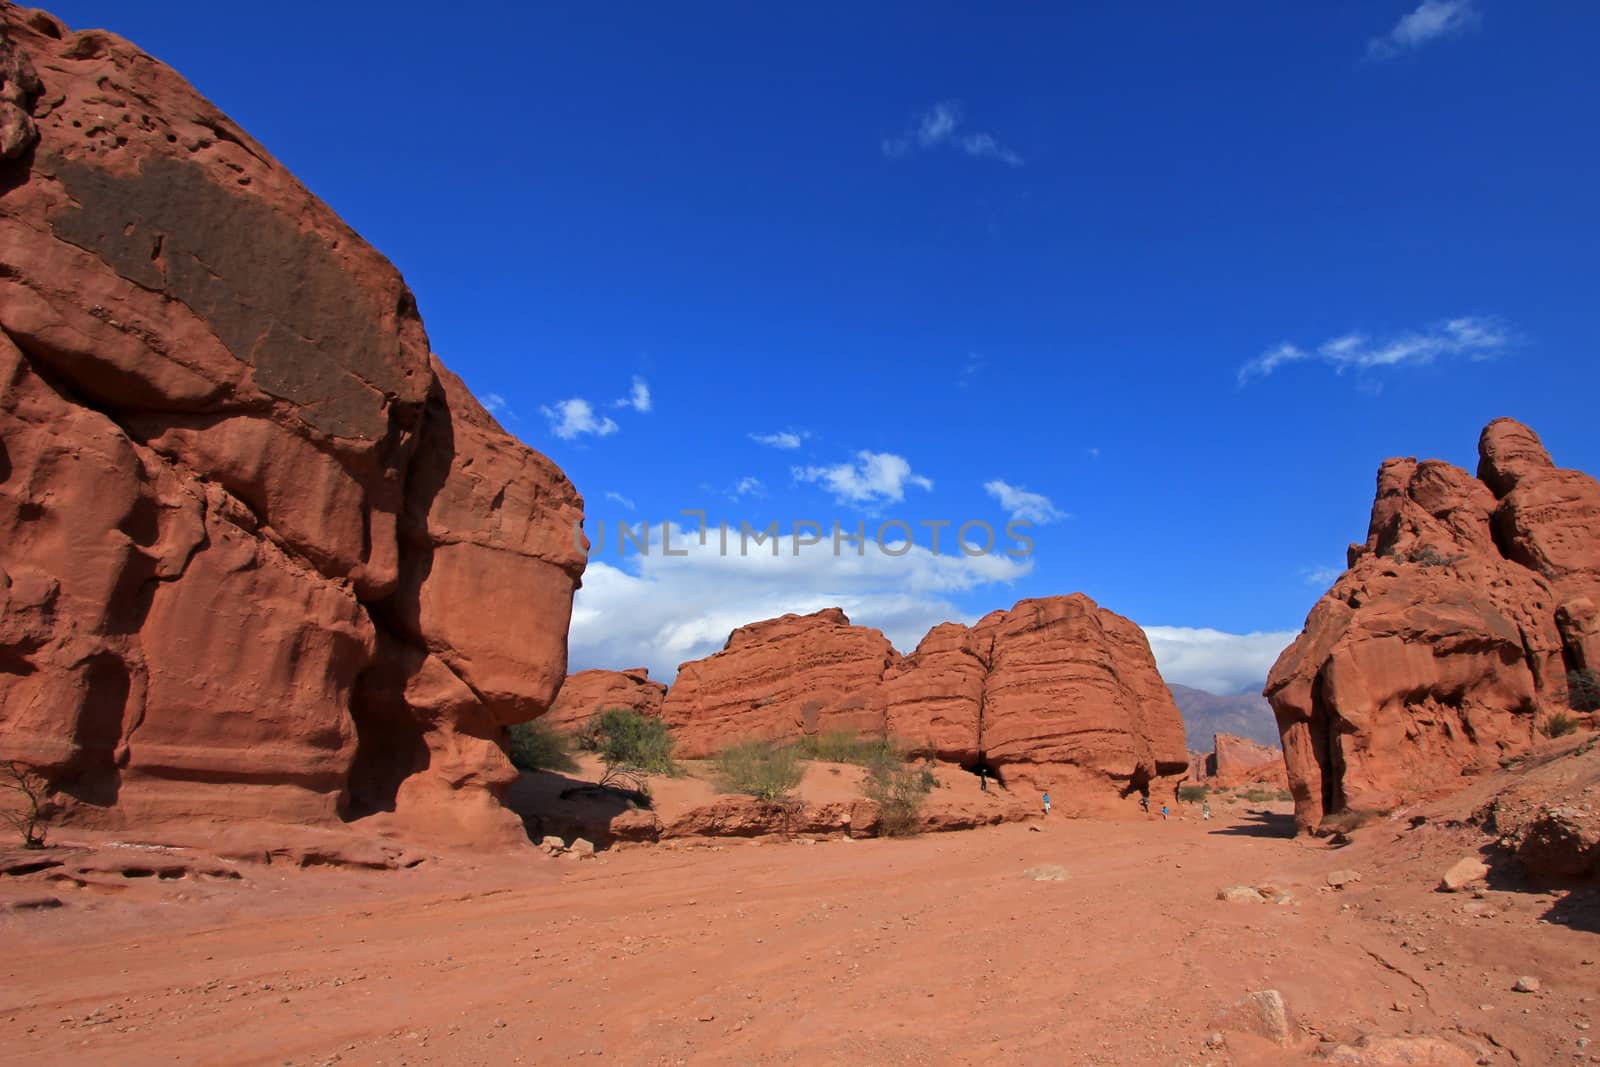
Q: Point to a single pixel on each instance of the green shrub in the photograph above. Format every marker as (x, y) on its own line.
(627, 741)
(899, 788)
(1583, 692)
(1258, 796)
(1192, 794)
(761, 769)
(842, 746)
(1559, 724)
(536, 746)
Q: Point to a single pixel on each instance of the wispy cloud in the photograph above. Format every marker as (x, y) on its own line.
(1092, 452)
(971, 369)
(749, 486)
(496, 405)
(619, 499)
(787, 440)
(1431, 21)
(1475, 338)
(940, 127)
(875, 478)
(573, 418)
(638, 397)
(1321, 576)
(1031, 507)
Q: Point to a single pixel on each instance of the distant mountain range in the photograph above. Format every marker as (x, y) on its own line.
(1206, 714)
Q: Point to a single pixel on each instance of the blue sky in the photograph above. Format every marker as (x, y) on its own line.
(1187, 272)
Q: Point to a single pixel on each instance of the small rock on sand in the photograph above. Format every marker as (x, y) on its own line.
(1240, 894)
(1463, 873)
(1263, 1014)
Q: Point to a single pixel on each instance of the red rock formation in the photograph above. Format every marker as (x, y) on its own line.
(251, 534)
(1450, 634)
(587, 692)
(1239, 761)
(1057, 694)
(794, 675)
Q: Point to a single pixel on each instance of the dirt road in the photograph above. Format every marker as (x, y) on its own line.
(932, 950)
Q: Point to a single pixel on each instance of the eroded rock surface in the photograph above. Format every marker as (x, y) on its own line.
(261, 555)
(1056, 694)
(1450, 638)
(587, 692)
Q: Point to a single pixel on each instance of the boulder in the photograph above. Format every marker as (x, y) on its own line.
(261, 555)
(587, 692)
(1450, 635)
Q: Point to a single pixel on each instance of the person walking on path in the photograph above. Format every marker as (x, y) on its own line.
(1163, 813)
(1047, 803)
(983, 778)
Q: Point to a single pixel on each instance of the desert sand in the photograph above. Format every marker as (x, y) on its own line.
(935, 949)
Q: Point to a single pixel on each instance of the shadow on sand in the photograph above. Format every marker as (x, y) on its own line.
(552, 803)
(1262, 824)
(1576, 903)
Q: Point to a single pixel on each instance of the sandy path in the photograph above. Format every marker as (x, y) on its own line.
(933, 950)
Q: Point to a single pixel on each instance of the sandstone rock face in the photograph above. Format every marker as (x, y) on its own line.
(782, 678)
(252, 534)
(1450, 635)
(1056, 694)
(1237, 761)
(587, 692)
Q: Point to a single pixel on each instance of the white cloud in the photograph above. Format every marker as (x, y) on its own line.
(876, 478)
(1213, 660)
(618, 498)
(939, 126)
(1432, 20)
(638, 397)
(1033, 507)
(574, 418)
(1475, 338)
(787, 440)
(663, 611)
(496, 405)
(749, 486)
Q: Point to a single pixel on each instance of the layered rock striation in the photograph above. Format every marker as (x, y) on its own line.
(1056, 694)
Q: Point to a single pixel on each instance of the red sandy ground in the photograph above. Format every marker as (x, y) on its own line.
(930, 950)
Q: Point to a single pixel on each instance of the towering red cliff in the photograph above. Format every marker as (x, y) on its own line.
(261, 555)
(1452, 633)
